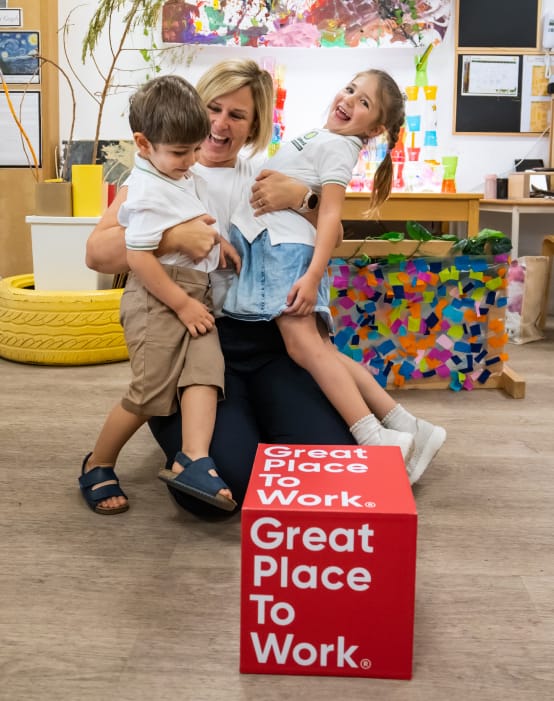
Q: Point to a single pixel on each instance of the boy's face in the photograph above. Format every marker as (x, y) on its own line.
(356, 110)
(172, 160)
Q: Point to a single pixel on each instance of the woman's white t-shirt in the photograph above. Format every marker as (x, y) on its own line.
(225, 189)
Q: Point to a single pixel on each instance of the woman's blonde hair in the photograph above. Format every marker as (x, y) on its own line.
(226, 77)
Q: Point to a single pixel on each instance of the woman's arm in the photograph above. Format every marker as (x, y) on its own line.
(276, 191)
(106, 250)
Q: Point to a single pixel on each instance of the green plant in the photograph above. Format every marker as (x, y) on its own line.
(414, 232)
(131, 14)
(487, 242)
(136, 13)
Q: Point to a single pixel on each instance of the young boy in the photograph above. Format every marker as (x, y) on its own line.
(166, 307)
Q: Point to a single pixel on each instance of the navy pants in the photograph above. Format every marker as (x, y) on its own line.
(268, 399)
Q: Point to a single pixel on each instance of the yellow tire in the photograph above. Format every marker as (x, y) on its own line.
(59, 327)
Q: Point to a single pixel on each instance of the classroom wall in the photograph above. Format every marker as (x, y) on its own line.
(312, 76)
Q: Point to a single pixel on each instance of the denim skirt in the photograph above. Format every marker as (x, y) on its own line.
(267, 274)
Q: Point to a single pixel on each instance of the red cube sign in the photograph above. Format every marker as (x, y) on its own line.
(328, 562)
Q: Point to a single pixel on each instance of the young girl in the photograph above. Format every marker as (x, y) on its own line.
(284, 259)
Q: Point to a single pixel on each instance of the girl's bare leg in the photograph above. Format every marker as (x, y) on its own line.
(428, 438)
(308, 349)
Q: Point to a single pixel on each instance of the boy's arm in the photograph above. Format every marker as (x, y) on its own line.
(303, 294)
(193, 314)
(106, 251)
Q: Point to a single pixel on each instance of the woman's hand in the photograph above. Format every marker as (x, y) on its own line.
(273, 191)
(194, 238)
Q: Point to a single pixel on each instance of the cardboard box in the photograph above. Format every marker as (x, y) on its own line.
(520, 184)
(328, 563)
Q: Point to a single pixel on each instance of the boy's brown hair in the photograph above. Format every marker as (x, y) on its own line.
(168, 110)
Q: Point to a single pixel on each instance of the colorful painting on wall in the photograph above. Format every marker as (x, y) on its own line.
(306, 23)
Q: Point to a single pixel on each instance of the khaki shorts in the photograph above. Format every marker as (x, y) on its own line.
(163, 355)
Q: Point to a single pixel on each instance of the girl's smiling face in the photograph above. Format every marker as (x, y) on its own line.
(356, 111)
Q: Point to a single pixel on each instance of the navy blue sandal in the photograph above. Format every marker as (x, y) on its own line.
(196, 481)
(93, 497)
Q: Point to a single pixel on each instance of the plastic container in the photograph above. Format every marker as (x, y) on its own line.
(489, 190)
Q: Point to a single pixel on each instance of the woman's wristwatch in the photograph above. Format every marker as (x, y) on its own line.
(309, 203)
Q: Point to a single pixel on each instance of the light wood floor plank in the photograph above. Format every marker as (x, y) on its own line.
(145, 606)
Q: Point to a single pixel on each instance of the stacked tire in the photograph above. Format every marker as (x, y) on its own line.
(59, 327)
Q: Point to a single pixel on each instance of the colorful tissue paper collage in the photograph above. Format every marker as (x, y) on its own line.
(423, 319)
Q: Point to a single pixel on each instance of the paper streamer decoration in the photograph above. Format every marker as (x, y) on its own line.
(439, 318)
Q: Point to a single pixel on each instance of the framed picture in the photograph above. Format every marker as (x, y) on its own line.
(19, 53)
(14, 150)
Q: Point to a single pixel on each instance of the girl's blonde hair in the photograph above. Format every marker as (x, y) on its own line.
(391, 117)
(226, 77)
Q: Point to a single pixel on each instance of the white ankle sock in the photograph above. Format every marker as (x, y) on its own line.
(369, 431)
(399, 419)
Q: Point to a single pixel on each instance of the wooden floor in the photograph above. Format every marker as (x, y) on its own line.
(145, 606)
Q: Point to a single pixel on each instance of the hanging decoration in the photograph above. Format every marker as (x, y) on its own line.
(306, 23)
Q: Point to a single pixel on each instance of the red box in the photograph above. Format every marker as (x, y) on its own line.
(328, 562)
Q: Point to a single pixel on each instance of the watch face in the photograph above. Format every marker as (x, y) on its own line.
(313, 199)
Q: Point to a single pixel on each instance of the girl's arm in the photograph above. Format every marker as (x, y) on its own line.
(193, 314)
(106, 252)
(303, 294)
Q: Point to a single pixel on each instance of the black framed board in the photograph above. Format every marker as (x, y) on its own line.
(493, 112)
(507, 24)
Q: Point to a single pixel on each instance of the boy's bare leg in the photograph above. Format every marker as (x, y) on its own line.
(198, 410)
(119, 427)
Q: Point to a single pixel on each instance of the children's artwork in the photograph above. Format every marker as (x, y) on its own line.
(19, 56)
(432, 319)
(306, 23)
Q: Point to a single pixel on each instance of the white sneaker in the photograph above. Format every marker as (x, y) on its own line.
(428, 440)
(405, 441)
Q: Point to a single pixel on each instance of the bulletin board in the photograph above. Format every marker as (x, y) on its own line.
(497, 68)
(510, 24)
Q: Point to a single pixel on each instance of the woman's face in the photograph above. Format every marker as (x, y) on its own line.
(232, 120)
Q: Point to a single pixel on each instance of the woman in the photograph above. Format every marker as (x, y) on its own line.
(268, 398)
